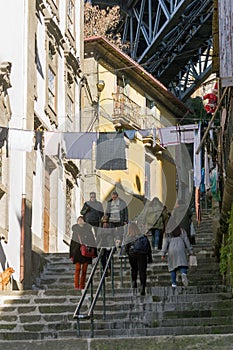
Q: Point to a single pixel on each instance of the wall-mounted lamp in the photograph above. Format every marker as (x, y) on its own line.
(100, 86)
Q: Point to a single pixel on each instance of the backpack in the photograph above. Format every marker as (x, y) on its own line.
(140, 245)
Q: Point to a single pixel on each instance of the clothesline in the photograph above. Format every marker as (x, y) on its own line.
(79, 145)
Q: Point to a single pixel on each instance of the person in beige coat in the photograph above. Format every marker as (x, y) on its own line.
(176, 244)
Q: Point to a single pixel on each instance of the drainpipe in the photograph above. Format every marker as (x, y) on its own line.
(24, 125)
(22, 238)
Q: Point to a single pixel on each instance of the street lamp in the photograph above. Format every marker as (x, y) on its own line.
(100, 86)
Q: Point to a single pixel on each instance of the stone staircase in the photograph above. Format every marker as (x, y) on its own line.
(44, 315)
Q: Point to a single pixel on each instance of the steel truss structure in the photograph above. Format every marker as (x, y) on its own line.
(172, 39)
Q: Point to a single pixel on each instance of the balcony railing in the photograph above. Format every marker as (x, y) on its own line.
(126, 112)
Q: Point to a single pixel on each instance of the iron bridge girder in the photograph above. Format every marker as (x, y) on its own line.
(169, 38)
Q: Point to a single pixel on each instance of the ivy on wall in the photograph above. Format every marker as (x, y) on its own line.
(226, 252)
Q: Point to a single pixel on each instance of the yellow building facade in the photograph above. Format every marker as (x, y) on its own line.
(120, 96)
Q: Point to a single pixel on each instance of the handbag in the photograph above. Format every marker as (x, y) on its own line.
(88, 252)
(192, 261)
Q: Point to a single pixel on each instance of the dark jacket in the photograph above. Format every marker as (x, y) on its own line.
(86, 236)
(129, 243)
(92, 212)
(123, 211)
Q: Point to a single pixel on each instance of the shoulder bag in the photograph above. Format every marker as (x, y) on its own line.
(88, 252)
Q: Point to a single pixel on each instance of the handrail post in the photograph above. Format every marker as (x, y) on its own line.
(92, 326)
(104, 301)
(121, 273)
(112, 273)
(78, 328)
(101, 286)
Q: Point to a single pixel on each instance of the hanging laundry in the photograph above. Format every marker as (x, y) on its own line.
(21, 140)
(130, 134)
(145, 132)
(197, 171)
(207, 171)
(173, 135)
(214, 184)
(110, 151)
(212, 98)
(198, 204)
(52, 143)
(39, 138)
(4, 138)
(197, 158)
(78, 145)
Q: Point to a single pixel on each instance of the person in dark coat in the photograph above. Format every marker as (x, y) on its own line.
(82, 233)
(138, 261)
(117, 213)
(92, 211)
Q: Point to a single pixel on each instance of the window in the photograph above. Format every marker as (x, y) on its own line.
(71, 17)
(70, 94)
(123, 85)
(51, 81)
(70, 114)
(51, 52)
(51, 89)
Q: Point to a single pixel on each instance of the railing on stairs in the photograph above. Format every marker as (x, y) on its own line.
(89, 314)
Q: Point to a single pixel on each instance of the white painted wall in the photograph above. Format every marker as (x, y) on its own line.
(13, 48)
(13, 16)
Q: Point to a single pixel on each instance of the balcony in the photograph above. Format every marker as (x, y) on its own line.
(126, 112)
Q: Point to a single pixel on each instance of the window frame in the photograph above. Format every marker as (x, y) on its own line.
(51, 66)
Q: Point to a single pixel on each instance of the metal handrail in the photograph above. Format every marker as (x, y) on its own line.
(89, 314)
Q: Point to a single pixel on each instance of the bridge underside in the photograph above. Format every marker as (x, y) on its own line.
(172, 39)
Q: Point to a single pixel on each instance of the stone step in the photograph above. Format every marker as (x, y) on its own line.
(198, 321)
(170, 342)
(116, 327)
(46, 313)
(136, 303)
(13, 306)
(207, 271)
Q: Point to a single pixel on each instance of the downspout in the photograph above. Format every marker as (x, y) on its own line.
(23, 199)
(22, 238)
